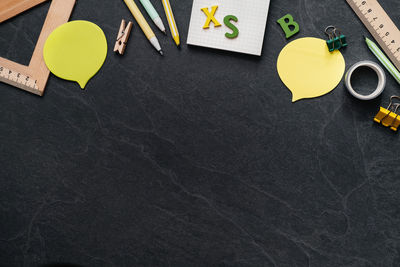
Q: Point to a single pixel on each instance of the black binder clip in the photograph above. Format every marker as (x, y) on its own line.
(336, 39)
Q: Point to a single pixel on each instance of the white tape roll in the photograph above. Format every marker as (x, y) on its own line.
(381, 80)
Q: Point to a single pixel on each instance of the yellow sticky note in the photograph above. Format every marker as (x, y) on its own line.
(308, 69)
(75, 51)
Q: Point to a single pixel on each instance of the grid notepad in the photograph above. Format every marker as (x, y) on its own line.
(252, 18)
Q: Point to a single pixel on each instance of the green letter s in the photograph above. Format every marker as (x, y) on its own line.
(235, 31)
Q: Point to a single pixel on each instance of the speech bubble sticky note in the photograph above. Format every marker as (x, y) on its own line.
(308, 69)
(75, 51)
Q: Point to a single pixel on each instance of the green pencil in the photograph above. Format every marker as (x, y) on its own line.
(153, 14)
(383, 59)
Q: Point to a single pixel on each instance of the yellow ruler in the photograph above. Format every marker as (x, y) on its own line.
(380, 26)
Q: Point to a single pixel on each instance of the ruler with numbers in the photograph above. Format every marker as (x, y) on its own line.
(380, 26)
(32, 78)
(18, 79)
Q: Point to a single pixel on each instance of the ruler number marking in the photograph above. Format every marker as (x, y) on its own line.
(14, 78)
(380, 25)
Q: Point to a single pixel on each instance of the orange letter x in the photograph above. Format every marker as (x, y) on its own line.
(210, 17)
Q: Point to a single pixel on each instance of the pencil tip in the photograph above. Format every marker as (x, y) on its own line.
(161, 52)
(165, 32)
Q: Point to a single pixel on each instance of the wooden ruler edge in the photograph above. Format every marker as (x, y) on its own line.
(18, 9)
(395, 60)
(58, 14)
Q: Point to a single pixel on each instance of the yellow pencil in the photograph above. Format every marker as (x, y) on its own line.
(171, 21)
(143, 25)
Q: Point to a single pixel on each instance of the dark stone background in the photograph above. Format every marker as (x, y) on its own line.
(197, 158)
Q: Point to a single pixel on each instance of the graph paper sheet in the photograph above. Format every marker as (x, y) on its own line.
(252, 18)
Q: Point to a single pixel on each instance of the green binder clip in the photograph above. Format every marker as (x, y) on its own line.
(336, 39)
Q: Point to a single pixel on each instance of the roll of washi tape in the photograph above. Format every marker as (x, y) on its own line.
(381, 80)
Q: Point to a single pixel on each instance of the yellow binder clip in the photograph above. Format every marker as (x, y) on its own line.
(389, 117)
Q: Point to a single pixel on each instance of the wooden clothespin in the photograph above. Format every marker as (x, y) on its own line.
(123, 36)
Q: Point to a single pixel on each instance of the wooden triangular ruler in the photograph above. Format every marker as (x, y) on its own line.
(32, 78)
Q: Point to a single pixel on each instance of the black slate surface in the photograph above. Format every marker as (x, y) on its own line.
(197, 158)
